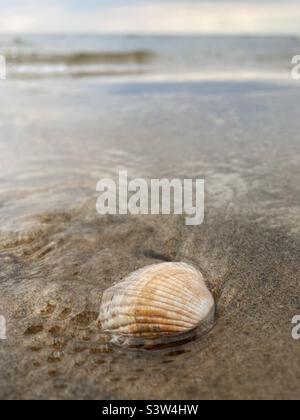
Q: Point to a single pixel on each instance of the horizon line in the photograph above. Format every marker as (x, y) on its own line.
(158, 34)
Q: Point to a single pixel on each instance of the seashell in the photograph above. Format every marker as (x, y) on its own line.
(158, 306)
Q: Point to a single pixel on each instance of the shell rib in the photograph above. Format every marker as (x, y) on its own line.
(158, 305)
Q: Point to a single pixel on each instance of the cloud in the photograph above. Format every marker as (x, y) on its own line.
(224, 17)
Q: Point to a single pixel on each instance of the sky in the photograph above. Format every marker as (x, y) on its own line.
(151, 16)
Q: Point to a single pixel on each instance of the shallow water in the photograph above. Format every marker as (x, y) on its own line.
(57, 255)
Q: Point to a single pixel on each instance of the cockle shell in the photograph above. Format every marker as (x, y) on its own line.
(157, 306)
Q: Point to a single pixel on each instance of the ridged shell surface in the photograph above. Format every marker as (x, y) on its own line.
(158, 305)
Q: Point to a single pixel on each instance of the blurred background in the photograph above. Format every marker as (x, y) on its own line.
(157, 40)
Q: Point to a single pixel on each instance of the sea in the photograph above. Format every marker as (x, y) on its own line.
(159, 58)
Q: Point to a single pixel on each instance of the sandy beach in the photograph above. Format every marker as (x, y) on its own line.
(57, 255)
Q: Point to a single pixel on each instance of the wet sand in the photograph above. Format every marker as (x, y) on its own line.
(57, 255)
